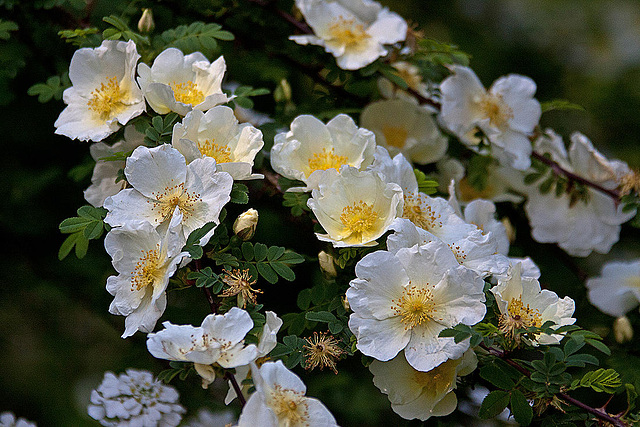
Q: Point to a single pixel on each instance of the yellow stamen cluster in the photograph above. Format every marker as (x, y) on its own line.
(440, 379)
(290, 406)
(165, 202)
(415, 306)
(221, 153)
(419, 213)
(519, 316)
(106, 101)
(147, 270)
(322, 350)
(348, 32)
(630, 183)
(359, 217)
(395, 136)
(495, 110)
(187, 93)
(239, 282)
(327, 159)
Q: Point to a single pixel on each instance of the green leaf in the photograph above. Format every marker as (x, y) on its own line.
(260, 251)
(239, 194)
(520, 408)
(304, 299)
(275, 252)
(71, 225)
(51, 89)
(496, 376)
(579, 360)
(560, 104)
(267, 272)
(391, 74)
(426, 186)
(321, 316)
(493, 404)
(194, 37)
(283, 271)
(247, 251)
(336, 327)
(297, 201)
(6, 27)
(599, 345)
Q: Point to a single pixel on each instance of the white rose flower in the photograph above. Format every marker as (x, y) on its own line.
(354, 31)
(219, 340)
(580, 226)
(422, 395)
(267, 342)
(105, 172)
(218, 134)
(523, 304)
(135, 399)
(617, 290)
(162, 182)
(8, 419)
(311, 147)
(507, 113)
(145, 260)
(482, 213)
(403, 127)
(103, 94)
(403, 300)
(279, 400)
(436, 219)
(354, 207)
(180, 83)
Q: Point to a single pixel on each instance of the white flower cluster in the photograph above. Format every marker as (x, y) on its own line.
(8, 419)
(135, 399)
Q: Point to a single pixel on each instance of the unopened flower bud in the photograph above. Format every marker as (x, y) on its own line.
(283, 91)
(245, 225)
(511, 231)
(327, 266)
(345, 303)
(146, 23)
(622, 329)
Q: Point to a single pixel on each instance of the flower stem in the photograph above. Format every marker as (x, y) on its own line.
(232, 379)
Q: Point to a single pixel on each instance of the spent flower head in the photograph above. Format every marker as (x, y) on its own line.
(240, 284)
(322, 350)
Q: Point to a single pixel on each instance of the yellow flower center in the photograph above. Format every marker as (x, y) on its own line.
(415, 306)
(633, 282)
(106, 101)
(173, 197)
(327, 159)
(290, 407)
(187, 93)
(148, 269)
(419, 213)
(519, 316)
(221, 153)
(411, 77)
(395, 136)
(495, 110)
(469, 193)
(440, 379)
(348, 32)
(359, 217)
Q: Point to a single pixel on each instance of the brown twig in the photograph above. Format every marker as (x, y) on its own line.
(559, 170)
(232, 379)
